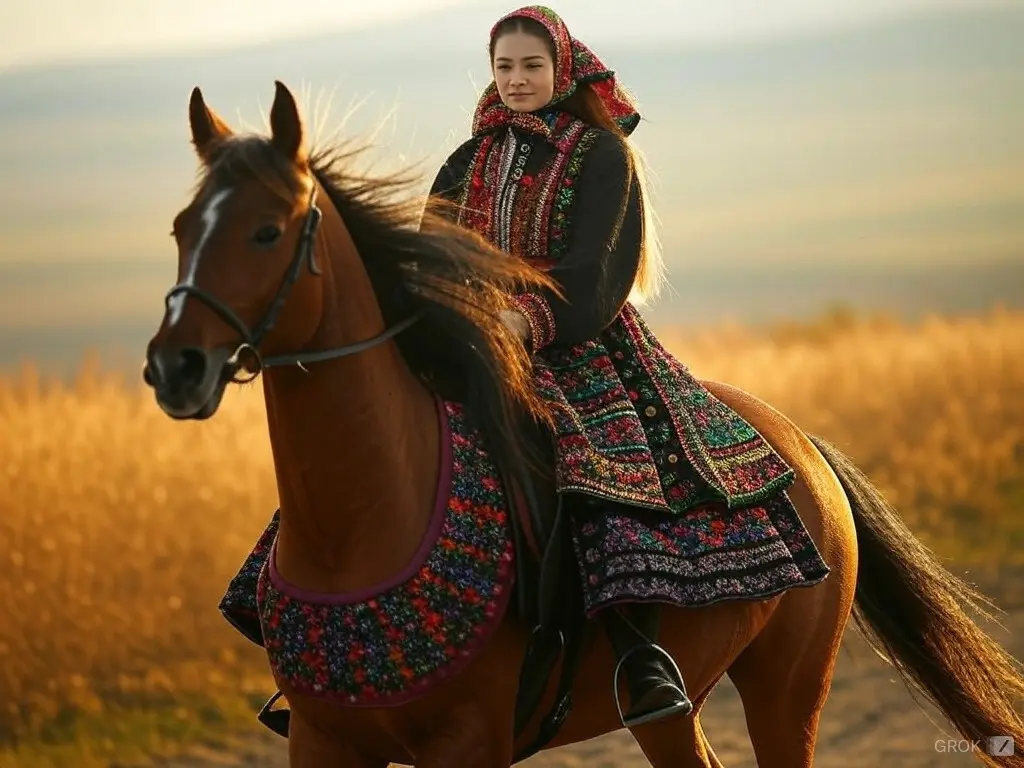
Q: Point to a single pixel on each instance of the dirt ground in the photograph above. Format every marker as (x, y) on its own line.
(870, 718)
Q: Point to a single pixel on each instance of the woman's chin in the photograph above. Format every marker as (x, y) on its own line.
(523, 105)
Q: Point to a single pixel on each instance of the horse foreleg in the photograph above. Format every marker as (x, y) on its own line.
(309, 747)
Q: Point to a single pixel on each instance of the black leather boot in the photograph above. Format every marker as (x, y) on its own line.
(277, 720)
(656, 688)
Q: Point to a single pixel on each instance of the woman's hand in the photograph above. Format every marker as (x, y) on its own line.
(516, 322)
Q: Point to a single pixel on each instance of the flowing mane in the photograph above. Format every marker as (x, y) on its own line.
(419, 261)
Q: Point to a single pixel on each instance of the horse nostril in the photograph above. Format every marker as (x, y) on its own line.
(176, 370)
(191, 364)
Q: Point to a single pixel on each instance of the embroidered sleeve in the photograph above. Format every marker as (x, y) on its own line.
(597, 273)
(537, 311)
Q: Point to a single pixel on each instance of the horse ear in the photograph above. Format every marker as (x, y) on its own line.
(207, 128)
(286, 128)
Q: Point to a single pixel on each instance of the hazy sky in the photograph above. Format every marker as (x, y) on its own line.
(45, 30)
(776, 162)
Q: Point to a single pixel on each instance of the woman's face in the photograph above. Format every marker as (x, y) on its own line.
(523, 71)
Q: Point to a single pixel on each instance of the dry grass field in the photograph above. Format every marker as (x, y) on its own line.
(121, 528)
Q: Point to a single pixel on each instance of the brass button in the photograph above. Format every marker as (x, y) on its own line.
(650, 410)
(672, 458)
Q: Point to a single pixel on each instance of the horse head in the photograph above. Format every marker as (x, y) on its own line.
(258, 244)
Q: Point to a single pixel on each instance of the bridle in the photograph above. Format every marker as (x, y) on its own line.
(251, 339)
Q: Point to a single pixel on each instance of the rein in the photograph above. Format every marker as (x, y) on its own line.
(251, 339)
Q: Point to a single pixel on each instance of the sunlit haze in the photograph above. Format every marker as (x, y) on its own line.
(803, 152)
(48, 30)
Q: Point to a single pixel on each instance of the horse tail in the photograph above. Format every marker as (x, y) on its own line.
(914, 613)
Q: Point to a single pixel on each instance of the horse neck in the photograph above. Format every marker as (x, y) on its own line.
(355, 442)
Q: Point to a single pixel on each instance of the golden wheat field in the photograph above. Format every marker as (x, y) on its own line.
(121, 528)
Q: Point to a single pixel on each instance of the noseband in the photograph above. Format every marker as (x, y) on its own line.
(251, 339)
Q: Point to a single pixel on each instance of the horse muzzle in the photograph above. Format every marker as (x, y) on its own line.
(188, 382)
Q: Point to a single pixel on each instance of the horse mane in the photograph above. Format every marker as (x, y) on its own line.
(419, 261)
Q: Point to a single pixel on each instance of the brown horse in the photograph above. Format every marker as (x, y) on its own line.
(357, 311)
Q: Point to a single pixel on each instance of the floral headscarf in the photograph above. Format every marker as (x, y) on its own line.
(575, 64)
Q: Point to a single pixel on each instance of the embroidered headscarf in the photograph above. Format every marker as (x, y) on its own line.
(575, 64)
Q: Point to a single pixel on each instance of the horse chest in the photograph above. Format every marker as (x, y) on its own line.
(391, 644)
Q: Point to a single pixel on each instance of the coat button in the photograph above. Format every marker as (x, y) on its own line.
(651, 411)
(672, 458)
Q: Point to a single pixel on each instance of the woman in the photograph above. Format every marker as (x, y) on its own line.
(673, 492)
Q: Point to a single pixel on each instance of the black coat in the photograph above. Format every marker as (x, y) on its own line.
(592, 249)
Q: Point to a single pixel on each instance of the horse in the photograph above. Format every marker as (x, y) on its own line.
(375, 326)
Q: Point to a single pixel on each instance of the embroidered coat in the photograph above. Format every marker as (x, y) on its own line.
(633, 425)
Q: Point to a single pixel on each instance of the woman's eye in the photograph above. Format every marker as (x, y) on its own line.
(267, 235)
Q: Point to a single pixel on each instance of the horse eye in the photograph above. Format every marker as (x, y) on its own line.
(267, 235)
